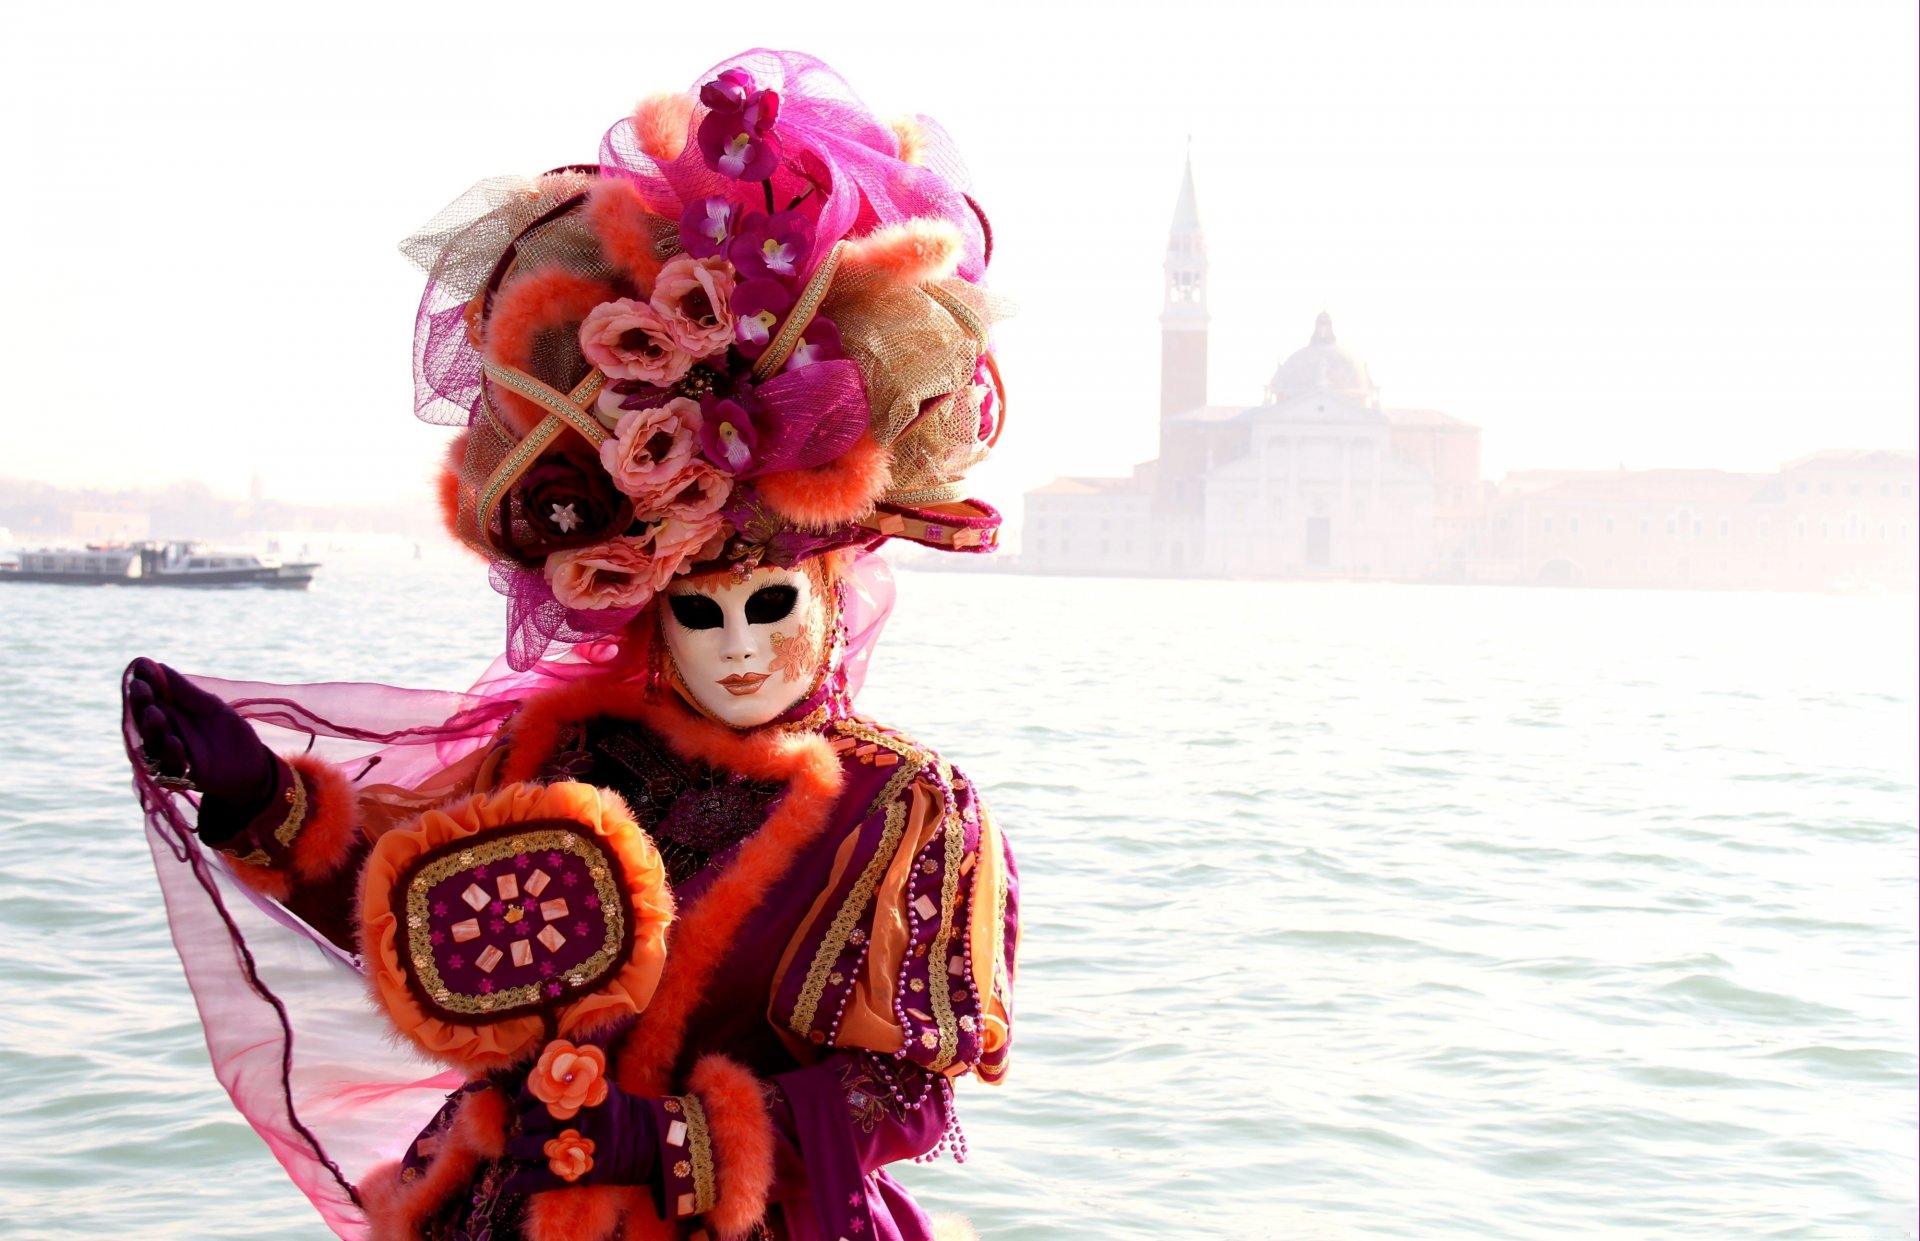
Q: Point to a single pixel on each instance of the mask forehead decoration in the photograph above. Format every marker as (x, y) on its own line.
(701, 354)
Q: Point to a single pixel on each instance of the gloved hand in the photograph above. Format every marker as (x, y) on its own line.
(625, 1148)
(185, 732)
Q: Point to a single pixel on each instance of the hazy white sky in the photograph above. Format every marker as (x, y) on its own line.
(1658, 233)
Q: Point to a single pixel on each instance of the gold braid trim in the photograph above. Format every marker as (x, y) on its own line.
(700, 1151)
(569, 406)
(956, 833)
(512, 466)
(787, 339)
(808, 1003)
(289, 829)
(962, 313)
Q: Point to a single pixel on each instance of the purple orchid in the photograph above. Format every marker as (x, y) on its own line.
(772, 246)
(757, 307)
(708, 226)
(727, 435)
(819, 342)
(736, 136)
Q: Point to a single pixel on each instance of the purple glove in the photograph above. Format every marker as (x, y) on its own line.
(626, 1150)
(187, 733)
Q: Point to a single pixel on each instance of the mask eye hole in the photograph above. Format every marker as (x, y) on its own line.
(771, 604)
(696, 611)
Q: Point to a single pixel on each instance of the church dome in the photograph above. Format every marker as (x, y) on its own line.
(1323, 366)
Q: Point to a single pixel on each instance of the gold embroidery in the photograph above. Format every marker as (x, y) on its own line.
(956, 831)
(612, 907)
(289, 829)
(700, 1149)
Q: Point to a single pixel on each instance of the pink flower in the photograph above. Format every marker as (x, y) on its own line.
(678, 543)
(702, 491)
(650, 450)
(569, 1156)
(568, 1078)
(615, 574)
(693, 299)
(631, 340)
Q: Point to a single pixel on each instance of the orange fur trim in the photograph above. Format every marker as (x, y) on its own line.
(913, 251)
(498, 1044)
(619, 220)
(912, 138)
(448, 486)
(700, 939)
(587, 1213)
(742, 1143)
(834, 493)
(660, 124)
(953, 1228)
(262, 879)
(531, 305)
(328, 836)
(397, 1209)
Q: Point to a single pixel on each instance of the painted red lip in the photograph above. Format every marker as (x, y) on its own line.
(740, 684)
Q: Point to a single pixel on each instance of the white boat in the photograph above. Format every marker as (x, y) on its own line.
(154, 564)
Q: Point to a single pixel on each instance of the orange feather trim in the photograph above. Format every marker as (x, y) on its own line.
(911, 137)
(619, 218)
(327, 838)
(660, 124)
(840, 491)
(742, 1143)
(532, 305)
(448, 488)
(397, 1209)
(913, 251)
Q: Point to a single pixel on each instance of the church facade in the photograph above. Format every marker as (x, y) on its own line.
(1318, 480)
(1321, 479)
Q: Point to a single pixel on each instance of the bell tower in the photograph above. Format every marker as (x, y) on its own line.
(1183, 314)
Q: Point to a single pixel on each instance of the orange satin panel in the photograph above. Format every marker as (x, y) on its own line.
(992, 973)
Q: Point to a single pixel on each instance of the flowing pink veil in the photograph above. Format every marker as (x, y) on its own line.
(290, 1032)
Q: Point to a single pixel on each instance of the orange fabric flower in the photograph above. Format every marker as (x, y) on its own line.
(569, 1156)
(568, 1078)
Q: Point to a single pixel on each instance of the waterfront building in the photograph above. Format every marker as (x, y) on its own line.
(1322, 479)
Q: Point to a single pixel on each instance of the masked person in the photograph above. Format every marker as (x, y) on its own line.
(700, 947)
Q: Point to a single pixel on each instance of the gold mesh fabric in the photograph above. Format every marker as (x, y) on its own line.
(460, 246)
(917, 348)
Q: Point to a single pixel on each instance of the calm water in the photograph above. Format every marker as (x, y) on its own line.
(1351, 911)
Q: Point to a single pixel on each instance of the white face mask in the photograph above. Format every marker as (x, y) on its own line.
(749, 648)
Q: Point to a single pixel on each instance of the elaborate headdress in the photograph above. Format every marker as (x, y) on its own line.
(755, 332)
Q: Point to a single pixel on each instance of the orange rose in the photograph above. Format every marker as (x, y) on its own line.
(568, 1078)
(569, 1156)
